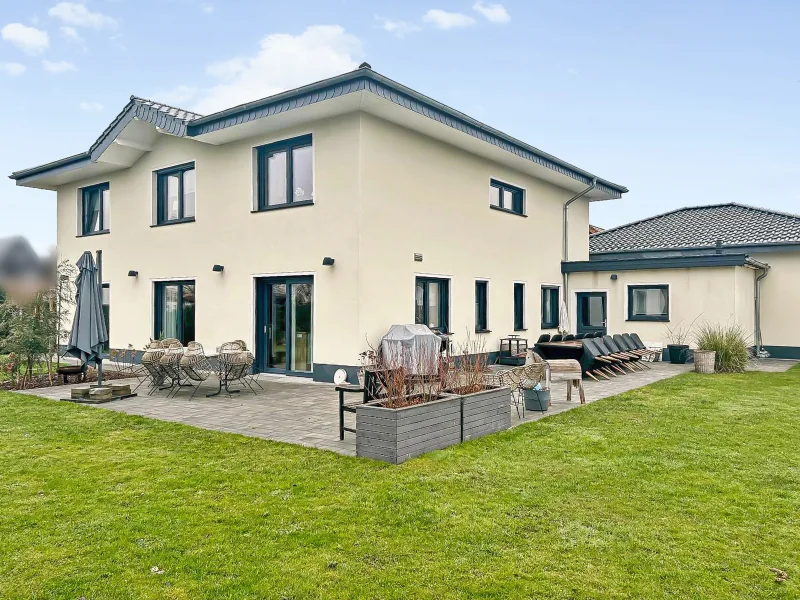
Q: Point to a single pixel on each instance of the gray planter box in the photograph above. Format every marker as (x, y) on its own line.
(486, 412)
(396, 434)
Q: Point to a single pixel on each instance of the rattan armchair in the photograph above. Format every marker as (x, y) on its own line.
(151, 372)
(194, 366)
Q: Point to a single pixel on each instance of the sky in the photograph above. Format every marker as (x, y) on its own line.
(685, 103)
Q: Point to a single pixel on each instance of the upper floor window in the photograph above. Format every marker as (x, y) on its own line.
(648, 303)
(550, 307)
(503, 196)
(286, 173)
(175, 189)
(95, 209)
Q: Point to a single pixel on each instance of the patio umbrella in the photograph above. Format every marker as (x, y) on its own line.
(89, 333)
(563, 318)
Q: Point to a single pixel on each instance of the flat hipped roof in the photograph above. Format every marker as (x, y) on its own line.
(178, 122)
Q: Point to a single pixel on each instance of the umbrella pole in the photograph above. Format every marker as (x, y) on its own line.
(100, 286)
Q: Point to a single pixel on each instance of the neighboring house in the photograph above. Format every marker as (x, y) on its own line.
(716, 262)
(594, 229)
(309, 222)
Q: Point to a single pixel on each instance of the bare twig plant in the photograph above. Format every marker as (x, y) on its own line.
(468, 373)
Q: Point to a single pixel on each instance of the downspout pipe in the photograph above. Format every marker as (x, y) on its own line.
(565, 236)
(760, 352)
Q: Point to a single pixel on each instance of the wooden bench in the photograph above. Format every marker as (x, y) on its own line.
(68, 370)
(568, 370)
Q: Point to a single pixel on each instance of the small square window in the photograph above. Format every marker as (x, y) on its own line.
(95, 209)
(176, 189)
(648, 303)
(506, 197)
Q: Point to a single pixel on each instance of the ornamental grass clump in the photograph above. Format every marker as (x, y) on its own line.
(730, 343)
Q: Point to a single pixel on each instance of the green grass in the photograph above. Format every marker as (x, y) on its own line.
(689, 488)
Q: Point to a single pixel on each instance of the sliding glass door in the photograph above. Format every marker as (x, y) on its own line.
(284, 341)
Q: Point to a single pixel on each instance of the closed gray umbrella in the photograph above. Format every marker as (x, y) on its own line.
(89, 333)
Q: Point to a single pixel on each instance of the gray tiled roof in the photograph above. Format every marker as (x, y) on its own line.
(701, 226)
(172, 111)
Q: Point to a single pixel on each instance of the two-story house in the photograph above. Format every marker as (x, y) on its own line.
(309, 222)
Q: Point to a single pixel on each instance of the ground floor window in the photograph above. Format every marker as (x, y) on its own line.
(432, 304)
(549, 307)
(519, 307)
(648, 303)
(174, 310)
(107, 313)
(481, 306)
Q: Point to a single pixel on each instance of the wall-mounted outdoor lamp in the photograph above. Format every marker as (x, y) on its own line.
(327, 261)
(133, 273)
(417, 257)
(614, 277)
(218, 268)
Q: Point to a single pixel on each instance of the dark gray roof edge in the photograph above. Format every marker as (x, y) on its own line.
(359, 79)
(685, 208)
(403, 96)
(138, 108)
(672, 262)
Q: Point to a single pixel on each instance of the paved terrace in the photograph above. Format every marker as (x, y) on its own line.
(299, 411)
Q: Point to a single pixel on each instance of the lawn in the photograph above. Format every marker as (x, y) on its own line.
(689, 488)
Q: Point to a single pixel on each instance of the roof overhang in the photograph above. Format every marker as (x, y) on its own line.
(138, 126)
(671, 262)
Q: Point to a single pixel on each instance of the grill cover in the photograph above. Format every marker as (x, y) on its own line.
(414, 347)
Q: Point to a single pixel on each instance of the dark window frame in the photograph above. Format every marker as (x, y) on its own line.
(657, 318)
(99, 188)
(551, 321)
(519, 306)
(262, 171)
(444, 300)
(106, 306)
(162, 210)
(482, 306)
(517, 200)
(158, 324)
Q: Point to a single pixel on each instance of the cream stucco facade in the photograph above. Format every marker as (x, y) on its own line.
(383, 192)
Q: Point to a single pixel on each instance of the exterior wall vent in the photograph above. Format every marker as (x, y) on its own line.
(417, 257)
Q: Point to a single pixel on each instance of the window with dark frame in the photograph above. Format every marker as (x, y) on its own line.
(95, 209)
(481, 306)
(176, 190)
(519, 307)
(503, 196)
(550, 302)
(648, 303)
(432, 303)
(175, 311)
(107, 313)
(286, 173)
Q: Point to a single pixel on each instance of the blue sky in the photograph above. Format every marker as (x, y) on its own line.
(684, 102)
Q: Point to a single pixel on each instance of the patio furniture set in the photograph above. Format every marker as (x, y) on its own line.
(166, 365)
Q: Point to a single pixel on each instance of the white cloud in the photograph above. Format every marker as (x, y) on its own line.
(207, 8)
(72, 34)
(91, 107)
(398, 28)
(283, 61)
(495, 13)
(27, 39)
(73, 13)
(61, 66)
(447, 20)
(12, 69)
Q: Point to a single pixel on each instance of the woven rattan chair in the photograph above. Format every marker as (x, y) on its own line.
(171, 364)
(194, 366)
(152, 373)
(235, 367)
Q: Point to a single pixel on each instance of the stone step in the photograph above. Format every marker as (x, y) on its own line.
(79, 393)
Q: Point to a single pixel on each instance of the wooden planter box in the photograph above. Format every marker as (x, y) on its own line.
(396, 434)
(486, 412)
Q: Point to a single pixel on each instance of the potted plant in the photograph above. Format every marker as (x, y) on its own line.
(412, 414)
(536, 397)
(678, 336)
(486, 406)
(722, 348)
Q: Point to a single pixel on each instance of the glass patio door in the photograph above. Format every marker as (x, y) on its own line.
(285, 325)
(591, 314)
